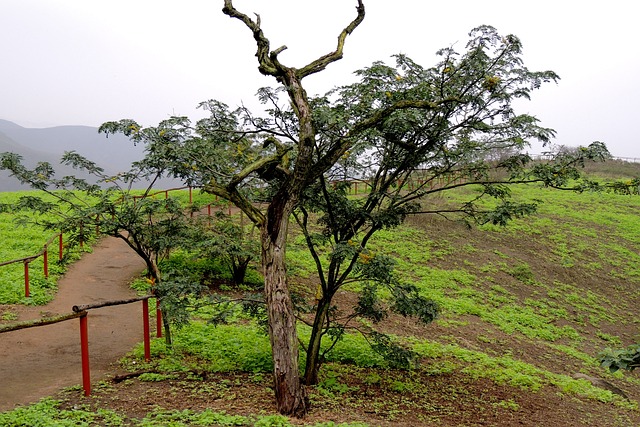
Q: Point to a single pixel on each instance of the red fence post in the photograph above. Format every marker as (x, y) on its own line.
(45, 259)
(84, 350)
(60, 247)
(145, 316)
(26, 279)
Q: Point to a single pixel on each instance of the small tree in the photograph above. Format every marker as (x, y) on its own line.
(227, 240)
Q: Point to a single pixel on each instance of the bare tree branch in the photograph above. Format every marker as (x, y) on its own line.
(268, 62)
(322, 62)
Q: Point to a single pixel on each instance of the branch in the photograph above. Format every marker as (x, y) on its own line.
(269, 65)
(254, 214)
(40, 322)
(334, 154)
(322, 62)
(258, 167)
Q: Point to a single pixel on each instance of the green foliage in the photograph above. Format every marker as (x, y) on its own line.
(153, 377)
(273, 421)
(46, 413)
(614, 360)
(225, 347)
(355, 350)
(22, 238)
(406, 132)
(209, 417)
(507, 370)
(227, 239)
(191, 418)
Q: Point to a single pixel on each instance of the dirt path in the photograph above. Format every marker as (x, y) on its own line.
(38, 361)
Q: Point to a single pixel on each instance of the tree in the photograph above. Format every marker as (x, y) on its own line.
(227, 240)
(409, 155)
(151, 227)
(406, 131)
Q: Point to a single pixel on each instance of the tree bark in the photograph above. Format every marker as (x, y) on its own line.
(291, 396)
(313, 351)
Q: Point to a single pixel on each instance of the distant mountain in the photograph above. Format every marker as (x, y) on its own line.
(114, 154)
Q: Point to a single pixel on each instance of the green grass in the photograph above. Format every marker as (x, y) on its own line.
(592, 238)
(21, 241)
(48, 413)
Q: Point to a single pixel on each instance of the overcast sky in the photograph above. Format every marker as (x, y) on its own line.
(84, 62)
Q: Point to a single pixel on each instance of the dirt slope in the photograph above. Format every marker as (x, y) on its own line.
(37, 362)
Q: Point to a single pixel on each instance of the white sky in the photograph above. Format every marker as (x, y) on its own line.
(84, 62)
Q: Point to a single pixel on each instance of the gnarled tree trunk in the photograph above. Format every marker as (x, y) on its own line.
(290, 394)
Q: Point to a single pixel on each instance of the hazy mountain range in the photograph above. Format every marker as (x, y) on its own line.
(114, 154)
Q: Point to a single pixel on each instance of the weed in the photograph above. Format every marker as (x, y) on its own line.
(47, 413)
(507, 404)
(612, 339)
(523, 273)
(153, 377)
(273, 421)
(8, 316)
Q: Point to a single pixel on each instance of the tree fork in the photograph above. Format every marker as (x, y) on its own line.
(290, 393)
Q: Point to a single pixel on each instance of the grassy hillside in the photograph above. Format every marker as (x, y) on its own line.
(525, 311)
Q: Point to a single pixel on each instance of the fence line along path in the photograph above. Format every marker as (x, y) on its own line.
(37, 362)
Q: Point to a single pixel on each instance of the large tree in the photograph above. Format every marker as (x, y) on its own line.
(453, 124)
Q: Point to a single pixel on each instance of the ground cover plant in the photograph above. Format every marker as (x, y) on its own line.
(526, 311)
(21, 238)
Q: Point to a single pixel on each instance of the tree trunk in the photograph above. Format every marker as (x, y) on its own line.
(291, 396)
(313, 351)
(239, 266)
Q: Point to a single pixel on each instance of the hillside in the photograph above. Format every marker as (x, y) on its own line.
(525, 311)
(114, 154)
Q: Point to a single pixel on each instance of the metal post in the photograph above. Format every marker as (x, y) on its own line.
(190, 195)
(147, 342)
(45, 259)
(26, 279)
(60, 247)
(84, 350)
